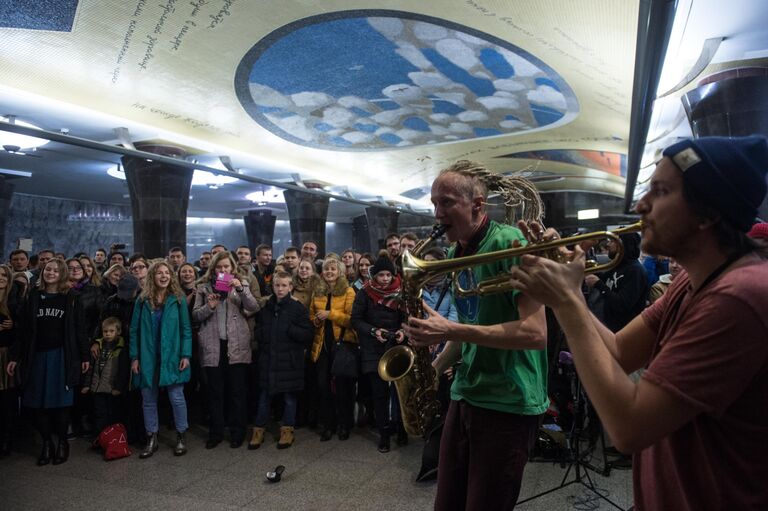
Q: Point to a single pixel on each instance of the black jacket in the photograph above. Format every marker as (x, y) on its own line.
(91, 301)
(623, 290)
(76, 346)
(285, 333)
(366, 314)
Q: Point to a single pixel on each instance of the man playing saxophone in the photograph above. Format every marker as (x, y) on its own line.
(499, 390)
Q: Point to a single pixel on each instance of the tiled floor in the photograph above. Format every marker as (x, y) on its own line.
(332, 475)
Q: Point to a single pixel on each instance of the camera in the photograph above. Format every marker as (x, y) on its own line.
(389, 336)
(117, 246)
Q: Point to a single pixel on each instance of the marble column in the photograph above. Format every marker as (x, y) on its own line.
(361, 242)
(730, 103)
(260, 228)
(6, 195)
(159, 200)
(307, 213)
(380, 223)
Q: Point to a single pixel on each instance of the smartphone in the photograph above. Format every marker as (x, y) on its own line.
(222, 281)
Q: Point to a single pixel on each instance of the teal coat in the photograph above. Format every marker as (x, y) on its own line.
(175, 343)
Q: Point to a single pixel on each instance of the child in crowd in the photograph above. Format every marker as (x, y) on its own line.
(285, 334)
(110, 374)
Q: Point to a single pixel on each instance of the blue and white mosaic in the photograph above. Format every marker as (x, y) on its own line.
(54, 15)
(365, 80)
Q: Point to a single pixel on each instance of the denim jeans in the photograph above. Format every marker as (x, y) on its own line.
(289, 411)
(178, 404)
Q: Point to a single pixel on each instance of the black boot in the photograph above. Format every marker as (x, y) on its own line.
(46, 454)
(62, 452)
(181, 446)
(151, 446)
(384, 442)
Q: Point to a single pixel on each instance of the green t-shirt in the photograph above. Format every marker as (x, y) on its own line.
(512, 381)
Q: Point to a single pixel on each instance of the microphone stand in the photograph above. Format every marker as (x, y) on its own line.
(580, 467)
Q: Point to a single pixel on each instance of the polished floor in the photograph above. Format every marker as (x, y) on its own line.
(332, 475)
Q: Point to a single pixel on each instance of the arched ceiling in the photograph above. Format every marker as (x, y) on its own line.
(368, 98)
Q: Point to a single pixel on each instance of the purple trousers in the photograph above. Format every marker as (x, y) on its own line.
(482, 457)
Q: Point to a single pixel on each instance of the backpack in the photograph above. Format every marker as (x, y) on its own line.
(114, 440)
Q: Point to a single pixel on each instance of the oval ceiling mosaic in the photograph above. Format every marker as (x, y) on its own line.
(368, 80)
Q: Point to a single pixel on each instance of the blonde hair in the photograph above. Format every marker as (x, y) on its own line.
(112, 321)
(341, 284)
(114, 268)
(62, 285)
(515, 191)
(150, 291)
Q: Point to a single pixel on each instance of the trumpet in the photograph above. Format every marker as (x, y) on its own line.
(417, 272)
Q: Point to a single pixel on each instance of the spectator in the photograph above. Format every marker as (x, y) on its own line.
(100, 261)
(377, 314)
(52, 353)
(161, 331)
(265, 268)
(331, 311)
(221, 303)
(176, 257)
(285, 335)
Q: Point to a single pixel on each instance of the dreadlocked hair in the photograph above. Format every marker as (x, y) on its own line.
(515, 191)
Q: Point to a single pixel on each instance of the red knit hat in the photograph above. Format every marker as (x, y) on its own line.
(759, 231)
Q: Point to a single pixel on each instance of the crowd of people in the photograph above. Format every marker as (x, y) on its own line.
(232, 340)
(671, 350)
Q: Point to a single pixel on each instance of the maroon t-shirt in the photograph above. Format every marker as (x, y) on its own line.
(711, 351)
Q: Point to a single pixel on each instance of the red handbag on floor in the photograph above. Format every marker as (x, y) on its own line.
(114, 440)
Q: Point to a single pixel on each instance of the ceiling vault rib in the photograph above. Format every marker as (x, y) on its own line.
(99, 146)
(654, 26)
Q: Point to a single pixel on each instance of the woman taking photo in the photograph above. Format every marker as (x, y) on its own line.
(330, 311)
(160, 349)
(376, 316)
(222, 301)
(51, 352)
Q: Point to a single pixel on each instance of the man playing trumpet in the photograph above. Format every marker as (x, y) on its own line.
(499, 390)
(697, 420)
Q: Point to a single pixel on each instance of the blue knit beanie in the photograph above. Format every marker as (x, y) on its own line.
(727, 174)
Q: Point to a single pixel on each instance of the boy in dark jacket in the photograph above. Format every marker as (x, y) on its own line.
(110, 377)
(285, 333)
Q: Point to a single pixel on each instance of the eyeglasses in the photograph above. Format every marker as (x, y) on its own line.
(136, 267)
(75, 268)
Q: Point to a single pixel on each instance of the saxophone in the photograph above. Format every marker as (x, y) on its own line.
(410, 368)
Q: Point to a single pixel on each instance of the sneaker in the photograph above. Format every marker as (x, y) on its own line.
(257, 438)
(286, 437)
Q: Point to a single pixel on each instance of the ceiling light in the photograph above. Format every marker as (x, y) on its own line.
(21, 141)
(263, 197)
(588, 214)
(199, 178)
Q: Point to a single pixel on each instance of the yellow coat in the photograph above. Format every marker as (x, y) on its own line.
(340, 315)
